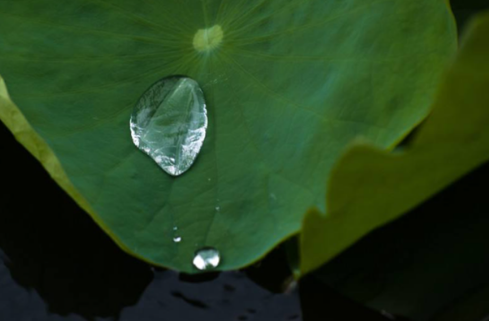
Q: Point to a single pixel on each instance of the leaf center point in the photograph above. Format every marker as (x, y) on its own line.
(206, 40)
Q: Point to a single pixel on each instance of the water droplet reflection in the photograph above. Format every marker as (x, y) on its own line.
(207, 258)
(169, 123)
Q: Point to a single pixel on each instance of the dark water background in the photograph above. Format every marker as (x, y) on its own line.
(57, 265)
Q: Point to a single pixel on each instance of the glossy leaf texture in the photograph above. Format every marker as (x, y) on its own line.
(370, 187)
(287, 86)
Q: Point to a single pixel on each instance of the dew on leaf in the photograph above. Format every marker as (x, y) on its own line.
(206, 259)
(169, 123)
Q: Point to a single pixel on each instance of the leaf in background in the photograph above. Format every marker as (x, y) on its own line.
(370, 187)
(431, 264)
(288, 85)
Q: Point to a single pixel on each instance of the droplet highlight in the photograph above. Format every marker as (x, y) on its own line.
(169, 123)
(207, 258)
(177, 239)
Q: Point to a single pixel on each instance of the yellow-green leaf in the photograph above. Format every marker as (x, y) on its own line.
(370, 187)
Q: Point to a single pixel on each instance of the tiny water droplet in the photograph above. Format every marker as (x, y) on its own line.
(177, 239)
(218, 208)
(206, 258)
(209, 179)
(169, 123)
(175, 228)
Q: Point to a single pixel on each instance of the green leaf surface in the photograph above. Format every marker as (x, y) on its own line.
(288, 85)
(370, 187)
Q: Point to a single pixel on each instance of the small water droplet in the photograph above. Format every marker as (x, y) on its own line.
(209, 179)
(169, 123)
(206, 259)
(175, 228)
(218, 208)
(177, 239)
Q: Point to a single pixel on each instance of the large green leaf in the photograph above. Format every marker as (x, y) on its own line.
(370, 187)
(288, 85)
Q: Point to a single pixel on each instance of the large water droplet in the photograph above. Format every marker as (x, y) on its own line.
(169, 123)
(206, 259)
